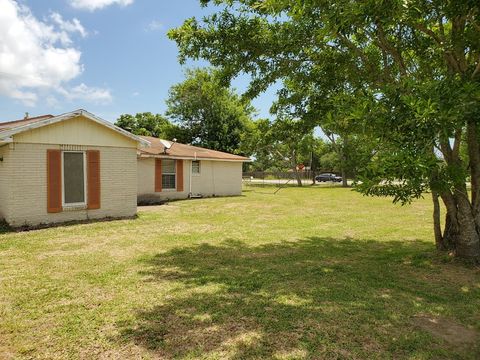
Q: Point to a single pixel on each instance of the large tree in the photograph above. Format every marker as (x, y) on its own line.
(149, 124)
(212, 114)
(410, 71)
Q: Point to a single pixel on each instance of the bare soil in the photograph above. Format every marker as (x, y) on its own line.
(447, 330)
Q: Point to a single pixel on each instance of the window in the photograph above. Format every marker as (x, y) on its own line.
(196, 167)
(74, 185)
(168, 174)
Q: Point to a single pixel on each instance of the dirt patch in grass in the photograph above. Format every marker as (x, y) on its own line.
(447, 330)
(5, 352)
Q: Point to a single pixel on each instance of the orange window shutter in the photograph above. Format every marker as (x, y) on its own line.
(93, 179)
(158, 175)
(179, 175)
(54, 181)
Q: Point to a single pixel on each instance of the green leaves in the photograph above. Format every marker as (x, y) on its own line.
(213, 115)
(401, 75)
(146, 124)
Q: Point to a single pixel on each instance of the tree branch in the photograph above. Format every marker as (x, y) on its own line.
(446, 150)
(384, 44)
(361, 54)
(458, 29)
(456, 143)
(429, 32)
(474, 155)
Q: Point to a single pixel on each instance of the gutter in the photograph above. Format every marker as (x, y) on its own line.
(191, 158)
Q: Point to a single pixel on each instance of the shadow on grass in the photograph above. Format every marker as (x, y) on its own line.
(318, 297)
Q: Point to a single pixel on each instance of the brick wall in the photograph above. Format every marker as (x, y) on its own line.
(3, 182)
(216, 178)
(146, 183)
(26, 198)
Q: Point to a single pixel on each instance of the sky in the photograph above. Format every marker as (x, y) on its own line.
(110, 57)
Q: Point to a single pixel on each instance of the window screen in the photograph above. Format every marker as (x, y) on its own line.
(73, 177)
(168, 174)
(196, 167)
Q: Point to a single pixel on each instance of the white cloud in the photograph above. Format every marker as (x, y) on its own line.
(86, 93)
(135, 94)
(52, 101)
(93, 5)
(154, 26)
(68, 26)
(36, 57)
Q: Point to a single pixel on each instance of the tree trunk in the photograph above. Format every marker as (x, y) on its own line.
(295, 170)
(474, 156)
(344, 163)
(462, 223)
(467, 244)
(312, 168)
(437, 230)
(298, 177)
(461, 234)
(344, 178)
(450, 233)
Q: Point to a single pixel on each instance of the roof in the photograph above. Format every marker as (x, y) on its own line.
(10, 128)
(15, 123)
(183, 151)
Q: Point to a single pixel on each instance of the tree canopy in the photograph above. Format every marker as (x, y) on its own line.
(212, 114)
(148, 124)
(405, 73)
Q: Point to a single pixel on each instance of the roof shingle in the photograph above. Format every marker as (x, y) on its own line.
(178, 150)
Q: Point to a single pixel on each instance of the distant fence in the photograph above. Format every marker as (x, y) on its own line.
(273, 175)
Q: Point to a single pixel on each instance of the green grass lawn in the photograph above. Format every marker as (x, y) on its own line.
(307, 273)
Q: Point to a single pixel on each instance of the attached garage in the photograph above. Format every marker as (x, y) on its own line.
(74, 166)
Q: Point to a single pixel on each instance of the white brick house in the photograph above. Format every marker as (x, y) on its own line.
(74, 166)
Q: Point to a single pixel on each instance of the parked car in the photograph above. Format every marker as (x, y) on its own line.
(328, 177)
